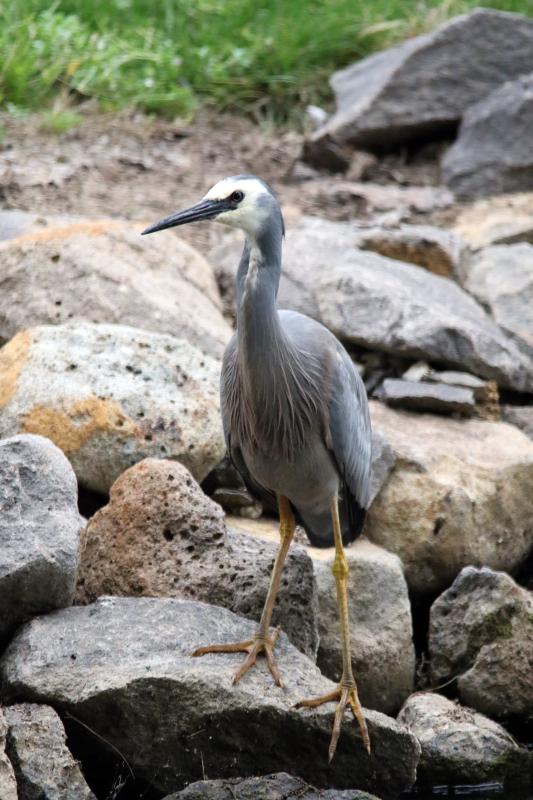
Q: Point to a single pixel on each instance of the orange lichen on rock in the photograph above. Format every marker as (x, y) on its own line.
(13, 356)
(90, 228)
(71, 428)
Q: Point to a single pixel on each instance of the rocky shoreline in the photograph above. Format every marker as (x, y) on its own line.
(109, 369)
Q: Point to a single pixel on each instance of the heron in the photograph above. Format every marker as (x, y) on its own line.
(295, 419)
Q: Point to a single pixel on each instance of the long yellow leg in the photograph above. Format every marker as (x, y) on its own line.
(263, 641)
(346, 692)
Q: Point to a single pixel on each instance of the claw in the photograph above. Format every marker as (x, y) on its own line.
(347, 696)
(252, 647)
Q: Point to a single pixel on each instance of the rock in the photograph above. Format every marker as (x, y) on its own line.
(501, 278)
(43, 764)
(482, 390)
(368, 199)
(269, 787)
(499, 682)
(266, 529)
(503, 219)
(39, 530)
(300, 172)
(462, 746)
(361, 165)
(380, 102)
(225, 485)
(421, 396)
(381, 628)
(123, 667)
(437, 250)
(25, 171)
(160, 536)
(418, 371)
(485, 393)
(357, 165)
(8, 784)
(238, 501)
(383, 461)
(481, 630)
(71, 274)
(460, 494)
(109, 396)
(493, 152)
(326, 153)
(14, 223)
(384, 304)
(315, 116)
(521, 416)
(481, 605)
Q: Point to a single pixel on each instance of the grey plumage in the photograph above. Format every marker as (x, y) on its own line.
(296, 421)
(293, 406)
(294, 409)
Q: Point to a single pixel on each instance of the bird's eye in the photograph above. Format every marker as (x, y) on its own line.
(237, 196)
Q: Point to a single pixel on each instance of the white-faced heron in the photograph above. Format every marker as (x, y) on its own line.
(295, 417)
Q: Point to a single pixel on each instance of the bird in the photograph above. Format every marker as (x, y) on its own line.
(295, 418)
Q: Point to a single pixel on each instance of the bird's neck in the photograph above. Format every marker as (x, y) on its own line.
(259, 332)
(275, 404)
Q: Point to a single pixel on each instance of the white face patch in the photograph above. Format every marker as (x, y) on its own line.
(250, 213)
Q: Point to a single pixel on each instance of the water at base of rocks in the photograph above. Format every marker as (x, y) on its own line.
(486, 791)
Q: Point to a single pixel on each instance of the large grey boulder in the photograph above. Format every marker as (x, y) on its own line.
(501, 278)
(459, 494)
(421, 88)
(462, 746)
(481, 631)
(105, 271)
(493, 152)
(521, 416)
(437, 250)
(499, 682)
(280, 786)
(501, 219)
(39, 530)
(44, 766)
(110, 395)
(123, 667)
(8, 784)
(160, 536)
(14, 223)
(381, 629)
(388, 305)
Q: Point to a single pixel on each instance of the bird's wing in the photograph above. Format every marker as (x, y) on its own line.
(350, 438)
(349, 427)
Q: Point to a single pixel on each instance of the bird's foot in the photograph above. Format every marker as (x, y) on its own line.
(259, 644)
(346, 694)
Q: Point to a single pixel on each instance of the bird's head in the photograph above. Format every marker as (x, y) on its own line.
(242, 201)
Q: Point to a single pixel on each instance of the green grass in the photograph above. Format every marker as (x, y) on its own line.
(59, 121)
(168, 56)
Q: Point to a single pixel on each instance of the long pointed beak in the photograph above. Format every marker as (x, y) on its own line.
(205, 209)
